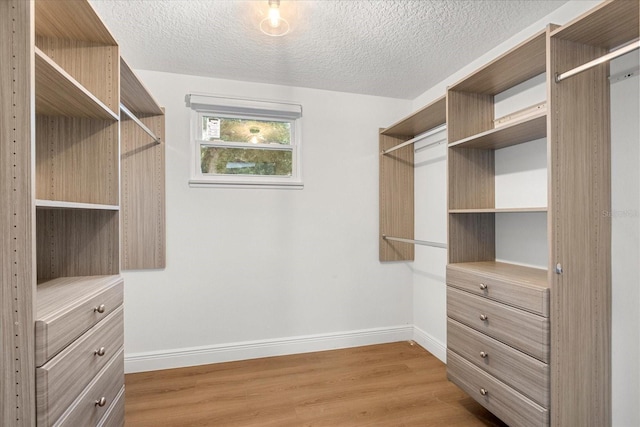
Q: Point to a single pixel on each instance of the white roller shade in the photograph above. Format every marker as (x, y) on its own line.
(246, 107)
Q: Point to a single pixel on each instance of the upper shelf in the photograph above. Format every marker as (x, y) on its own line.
(526, 60)
(524, 130)
(608, 25)
(134, 95)
(428, 117)
(58, 204)
(59, 94)
(73, 20)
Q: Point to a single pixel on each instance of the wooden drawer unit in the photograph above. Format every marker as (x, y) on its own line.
(98, 397)
(519, 329)
(115, 413)
(67, 307)
(518, 286)
(524, 373)
(510, 406)
(61, 380)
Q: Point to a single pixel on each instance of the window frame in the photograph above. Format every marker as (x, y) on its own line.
(248, 109)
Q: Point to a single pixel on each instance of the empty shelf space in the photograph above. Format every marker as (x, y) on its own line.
(428, 117)
(58, 204)
(497, 210)
(502, 270)
(74, 20)
(59, 94)
(134, 95)
(524, 130)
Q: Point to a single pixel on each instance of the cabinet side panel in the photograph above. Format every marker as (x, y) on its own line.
(472, 237)
(468, 114)
(396, 200)
(143, 195)
(17, 281)
(580, 238)
(471, 176)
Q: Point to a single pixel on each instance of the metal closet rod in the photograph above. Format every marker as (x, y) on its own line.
(418, 138)
(144, 127)
(608, 57)
(415, 242)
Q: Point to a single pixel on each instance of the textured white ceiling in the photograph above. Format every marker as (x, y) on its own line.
(394, 48)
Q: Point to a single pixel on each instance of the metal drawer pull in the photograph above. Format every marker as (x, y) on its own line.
(484, 317)
(101, 402)
(483, 287)
(484, 355)
(484, 391)
(99, 352)
(99, 309)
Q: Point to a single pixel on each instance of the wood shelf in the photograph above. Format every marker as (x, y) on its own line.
(498, 210)
(59, 94)
(428, 117)
(524, 61)
(518, 132)
(134, 95)
(73, 20)
(608, 25)
(501, 270)
(57, 204)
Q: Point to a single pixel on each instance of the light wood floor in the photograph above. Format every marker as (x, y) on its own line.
(398, 384)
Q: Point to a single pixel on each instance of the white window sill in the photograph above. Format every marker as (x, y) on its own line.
(200, 183)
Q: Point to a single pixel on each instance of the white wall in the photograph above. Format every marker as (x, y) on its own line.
(253, 272)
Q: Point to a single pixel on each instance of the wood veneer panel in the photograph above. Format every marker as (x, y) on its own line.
(471, 237)
(143, 195)
(396, 200)
(75, 20)
(77, 160)
(77, 243)
(134, 95)
(468, 114)
(471, 178)
(426, 118)
(580, 238)
(17, 282)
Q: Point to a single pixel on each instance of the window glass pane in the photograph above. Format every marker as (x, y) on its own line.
(245, 161)
(245, 130)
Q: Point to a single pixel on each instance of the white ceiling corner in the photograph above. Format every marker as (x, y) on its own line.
(392, 48)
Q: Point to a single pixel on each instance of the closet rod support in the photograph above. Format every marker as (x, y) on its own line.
(144, 127)
(418, 138)
(415, 242)
(608, 57)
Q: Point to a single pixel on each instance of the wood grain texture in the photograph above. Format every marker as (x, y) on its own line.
(396, 384)
(527, 375)
(66, 308)
(77, 160)
(580, 230)
(428, 117)
(471, 176)
(468, 114)
(77, 243)
(133, 93)
(114, 417)
(396, 176)
(521, 287)
(517, 65)
(62, 379)
(17, 219)
(512, 407)
(143, 195)
(74, 20)
(516, 328)
(471, 237)
(608, 25)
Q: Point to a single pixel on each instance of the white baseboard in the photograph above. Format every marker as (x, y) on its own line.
(179, 358)
(430, 344)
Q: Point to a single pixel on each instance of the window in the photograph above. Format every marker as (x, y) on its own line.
(245, 143)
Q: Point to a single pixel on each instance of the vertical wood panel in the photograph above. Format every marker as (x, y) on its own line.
(468, 114)
(396, 200)
(580, 238)
(471, 178)
(471, 237)
(17, 281)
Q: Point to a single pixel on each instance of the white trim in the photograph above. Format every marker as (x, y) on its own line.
(254, 107)
(431, 344)
(193, 356)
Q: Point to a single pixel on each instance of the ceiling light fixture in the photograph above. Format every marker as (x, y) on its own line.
(274, 25)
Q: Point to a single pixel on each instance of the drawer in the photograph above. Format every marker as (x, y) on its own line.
(519, 329)
(506, 403)
(61, 380)
(521, 287)
(98, 397)
(115, 414)
(69, 306)
(524, 373)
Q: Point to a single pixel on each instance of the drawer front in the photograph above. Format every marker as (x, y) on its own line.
(115, 414)
(526, 297)
(92, 404)
(524, 373)
(506, 403)
(61, 380)
(519, 329)
(55, 333)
